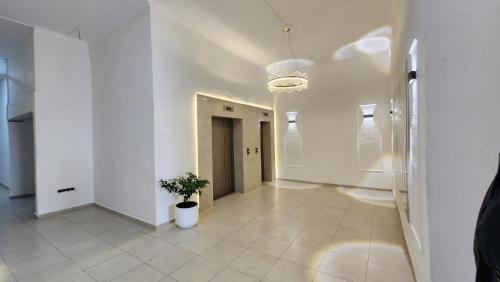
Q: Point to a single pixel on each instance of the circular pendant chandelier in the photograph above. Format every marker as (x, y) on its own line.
(287, 80)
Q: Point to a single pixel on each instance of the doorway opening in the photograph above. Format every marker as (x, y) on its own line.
(223, 157)
(266, 151)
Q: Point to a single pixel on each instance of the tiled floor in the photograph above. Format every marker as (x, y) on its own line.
(269, 234)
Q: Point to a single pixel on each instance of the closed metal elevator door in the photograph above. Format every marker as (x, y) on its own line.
(222, 157)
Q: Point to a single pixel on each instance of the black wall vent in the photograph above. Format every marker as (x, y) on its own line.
(66, 190)
(228, 108)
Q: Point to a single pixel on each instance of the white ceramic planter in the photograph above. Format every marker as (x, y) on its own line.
(186, 217)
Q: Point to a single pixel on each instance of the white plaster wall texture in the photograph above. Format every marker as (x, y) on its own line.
(463, 140)
(327, 122)
(21, 77)
(63, 122)
(123, 124)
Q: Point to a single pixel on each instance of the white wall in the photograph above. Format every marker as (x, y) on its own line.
(21, 77)
(4, 136)
(326, 120)
(185, 63)
(123, 120)
(463, 137)
(22, 158)
(63, 122)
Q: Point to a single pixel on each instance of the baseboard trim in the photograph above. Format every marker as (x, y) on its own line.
(45, 215)
(337, 185)
(161, 226)
(4, 186)
(141, 222)
(22, 196)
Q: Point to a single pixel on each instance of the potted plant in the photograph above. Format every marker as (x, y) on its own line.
(186, 212)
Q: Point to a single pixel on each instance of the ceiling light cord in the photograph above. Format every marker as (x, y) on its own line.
(276, 13)
(286, 29)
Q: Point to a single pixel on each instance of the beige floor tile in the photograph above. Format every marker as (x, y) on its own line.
(90, 252)
(235, 220)
(16, 257)
(50, 223)
(168, 279)
(150, 249)
(197, 270)
(125, 240)
(386, 229)
(25, 240)
(362, 218)
(323, 277)
(352, 231)
(231, 275)
(271, 246)
(113, 268)
(80, 277)
(171, 260)
(83, 214)
(330, 215)
(57, 272)
(351, 248)
(298, 222)
(216, 229)
(394, 220)
(101, 225)
(259, 226)
(339, 202)
(284, 232)
(392, 256)
(304, 255)
(322, 227)
(344, 267)
(284, 271)
(378, 273)
(199, 243)
(64, 237)
(306, 210)
(223, 252)
(244, 237)
(388, 239)
(32, 266)
(177, 235)
(332, 233)
(314, 239)
(142, 273)
(253, 263)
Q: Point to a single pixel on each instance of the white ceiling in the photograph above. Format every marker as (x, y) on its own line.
(94, 17)
(249, 28)
(341, 42)
(321, 29)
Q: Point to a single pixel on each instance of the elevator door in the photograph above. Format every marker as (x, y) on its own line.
(265, 151)
(222, 157)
